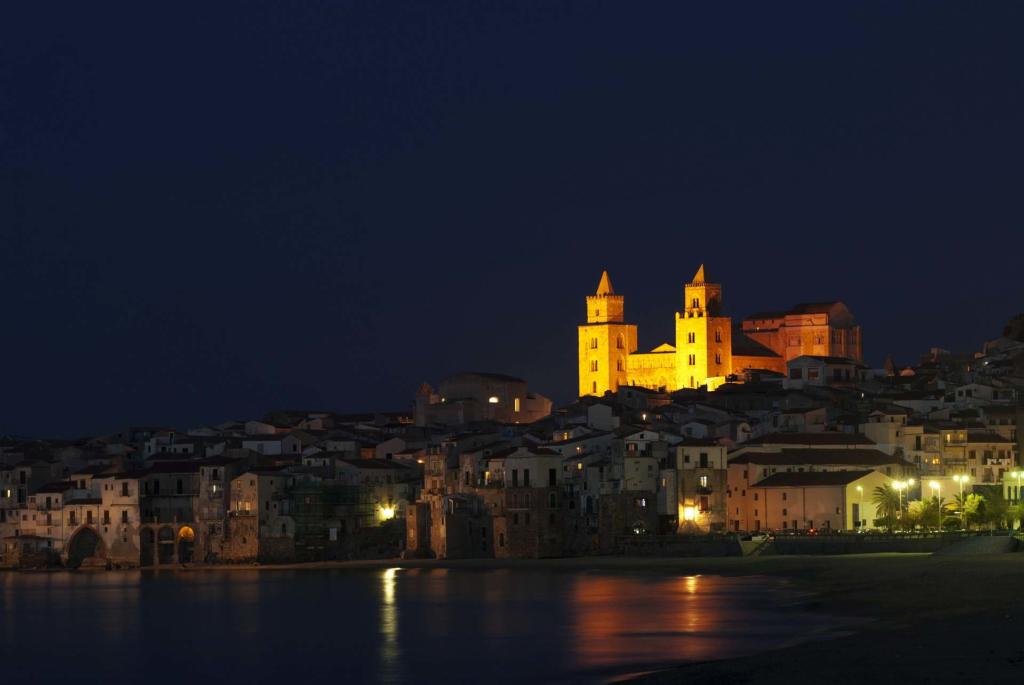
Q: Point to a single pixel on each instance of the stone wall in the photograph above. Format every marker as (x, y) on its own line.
(242, 540)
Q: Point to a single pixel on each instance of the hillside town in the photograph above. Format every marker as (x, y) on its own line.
(482, 466)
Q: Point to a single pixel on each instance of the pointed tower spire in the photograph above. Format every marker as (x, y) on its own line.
(699, 276)
(605, 286)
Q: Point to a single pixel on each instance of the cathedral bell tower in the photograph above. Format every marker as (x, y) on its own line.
(703, 335)
(605, 341)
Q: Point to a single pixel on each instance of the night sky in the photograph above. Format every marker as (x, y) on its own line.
(210, 211)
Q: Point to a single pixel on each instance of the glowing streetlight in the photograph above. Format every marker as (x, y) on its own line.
(936, 493)
(899, 485)
(961, 479)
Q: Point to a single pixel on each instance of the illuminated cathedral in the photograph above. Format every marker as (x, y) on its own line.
(707, 350)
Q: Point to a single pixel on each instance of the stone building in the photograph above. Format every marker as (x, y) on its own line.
(702, 483)
(468, 397)
(260, 527)
(707, 349)
(823, 329)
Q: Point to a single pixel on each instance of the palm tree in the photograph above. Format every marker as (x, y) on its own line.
(970, 507)
(937, 508)
(887, 504)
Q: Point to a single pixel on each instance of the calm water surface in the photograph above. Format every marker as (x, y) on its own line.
(384, 626)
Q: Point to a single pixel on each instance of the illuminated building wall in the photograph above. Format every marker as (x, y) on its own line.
(706, 350)
(703, 336)
(825, 329)
(605, 342)
(702, 353)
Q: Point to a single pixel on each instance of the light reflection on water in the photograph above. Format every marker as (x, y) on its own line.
(390, 652)
(384, 626)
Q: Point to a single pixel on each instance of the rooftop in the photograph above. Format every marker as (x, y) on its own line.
(816, 457)
(827, 438)
(811, 479)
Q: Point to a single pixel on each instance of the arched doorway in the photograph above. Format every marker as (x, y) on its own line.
(165, 545)
(147, 544)
(83, 545)
(186, 544)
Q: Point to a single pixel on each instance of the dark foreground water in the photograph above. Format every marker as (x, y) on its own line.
(383, 626)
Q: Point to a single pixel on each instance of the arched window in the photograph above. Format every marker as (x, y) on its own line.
(595, 387)
(718, 335)
(619, 343)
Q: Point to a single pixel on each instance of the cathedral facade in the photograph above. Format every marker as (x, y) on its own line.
(708, 349)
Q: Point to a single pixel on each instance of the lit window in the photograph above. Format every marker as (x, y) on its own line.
(492, 399)
(515, 403)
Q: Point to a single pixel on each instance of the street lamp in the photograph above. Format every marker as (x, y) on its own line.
(899, 485)
(961, 479)
(936, 493)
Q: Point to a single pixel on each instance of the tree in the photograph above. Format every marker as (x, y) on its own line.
(887, 505)
(971, 509)
(927, 513)
(916, 515)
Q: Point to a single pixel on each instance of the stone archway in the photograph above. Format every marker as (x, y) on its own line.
(85, 544)
(186, 544)
(165, 542)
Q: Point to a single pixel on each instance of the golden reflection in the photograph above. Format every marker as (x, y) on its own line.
(624, 619)
(390, 653)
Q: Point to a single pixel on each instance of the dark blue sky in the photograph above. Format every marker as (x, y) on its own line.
(209, 212)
